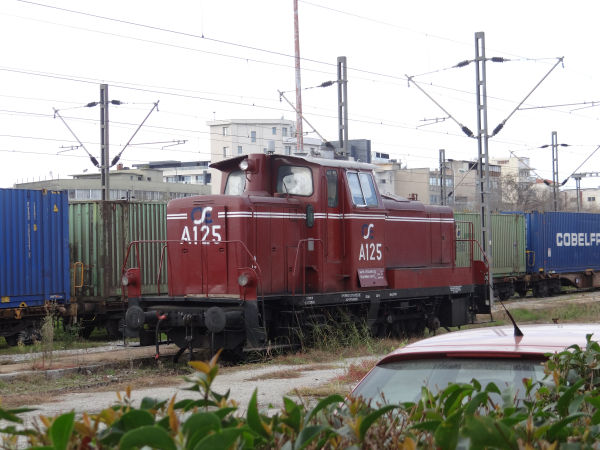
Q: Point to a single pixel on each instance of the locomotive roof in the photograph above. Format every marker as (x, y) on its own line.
(233, 162)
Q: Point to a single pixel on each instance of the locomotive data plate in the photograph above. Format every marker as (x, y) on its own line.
(372, 277)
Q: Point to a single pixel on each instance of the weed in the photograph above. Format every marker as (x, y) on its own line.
(47, 339)
(356, 371)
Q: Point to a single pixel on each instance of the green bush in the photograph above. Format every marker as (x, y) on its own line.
(563, 411)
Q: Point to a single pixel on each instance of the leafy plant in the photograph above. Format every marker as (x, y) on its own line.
(563, 410)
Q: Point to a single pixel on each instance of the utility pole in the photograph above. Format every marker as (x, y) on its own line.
(105, 160)
(483, 171)
(299, 133)
(555, 170)
(342, 83)
(443, 177)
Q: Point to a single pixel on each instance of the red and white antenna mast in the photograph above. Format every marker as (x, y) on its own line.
(299, 134)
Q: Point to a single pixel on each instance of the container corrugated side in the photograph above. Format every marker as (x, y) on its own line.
(101, 253)
(563, 242)
(34, 248)
(508, 241)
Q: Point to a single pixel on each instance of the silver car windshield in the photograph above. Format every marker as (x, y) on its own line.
(401, 381)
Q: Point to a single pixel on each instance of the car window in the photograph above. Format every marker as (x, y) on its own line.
(294, 180)
(236, 183)
(401, 381)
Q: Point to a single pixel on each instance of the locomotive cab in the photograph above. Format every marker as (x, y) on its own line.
(291, 243)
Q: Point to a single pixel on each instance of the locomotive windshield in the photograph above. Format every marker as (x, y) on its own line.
(362, 189)
(294, 180)
(236, 183)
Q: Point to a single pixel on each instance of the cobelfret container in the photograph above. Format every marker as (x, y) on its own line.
(563, 242)
(508, 241)
(34, 249)
(100, 233)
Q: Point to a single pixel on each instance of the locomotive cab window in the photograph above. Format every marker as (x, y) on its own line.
(236, 183)
(362, 189)
(332, 188)
(294, 180)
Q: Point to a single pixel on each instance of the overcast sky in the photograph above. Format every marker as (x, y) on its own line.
(226, 59)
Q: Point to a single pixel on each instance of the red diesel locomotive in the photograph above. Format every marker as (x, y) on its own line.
(292, 243)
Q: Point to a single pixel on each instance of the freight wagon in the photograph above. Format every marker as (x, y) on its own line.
(508, 249)
(34, 261)
(99, 234)
(563, 249)
(538, 251)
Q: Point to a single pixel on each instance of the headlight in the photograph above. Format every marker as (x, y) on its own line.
(244, 165)
(243, 280)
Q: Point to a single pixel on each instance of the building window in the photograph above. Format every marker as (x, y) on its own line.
(239, 150)
(591, 199)
(225, 131)
(224, 152)
(253, 136)
(274, 131)
(284, 131)
(288, 149)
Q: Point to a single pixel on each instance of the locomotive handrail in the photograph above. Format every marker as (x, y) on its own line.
(160, 265)
(470, 239)
(178, 241)
(300, 242)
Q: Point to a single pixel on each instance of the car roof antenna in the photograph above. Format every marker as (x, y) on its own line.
(516, 328)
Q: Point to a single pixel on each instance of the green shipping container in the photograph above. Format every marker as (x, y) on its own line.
(99, 234)
(508, 241)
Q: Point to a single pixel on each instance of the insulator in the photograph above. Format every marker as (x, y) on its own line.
(497, 129)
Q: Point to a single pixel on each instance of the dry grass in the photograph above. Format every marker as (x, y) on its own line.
(277, 374)
(323, 390)
(356, 371)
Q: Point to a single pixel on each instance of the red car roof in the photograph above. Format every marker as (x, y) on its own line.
(498, 342)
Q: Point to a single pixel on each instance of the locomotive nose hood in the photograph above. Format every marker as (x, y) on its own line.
(203, 260)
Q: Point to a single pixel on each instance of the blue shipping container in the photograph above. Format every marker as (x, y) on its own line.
(34, 248)
(562, 242)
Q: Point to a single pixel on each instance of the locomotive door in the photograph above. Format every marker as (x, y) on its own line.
(334, 223)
